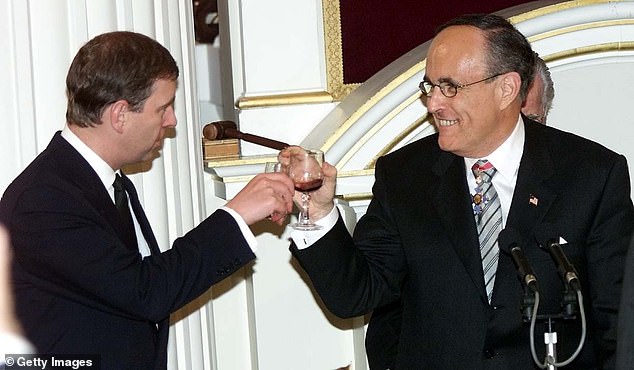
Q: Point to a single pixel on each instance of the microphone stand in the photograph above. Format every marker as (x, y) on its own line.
(550, 340)
(568, 312)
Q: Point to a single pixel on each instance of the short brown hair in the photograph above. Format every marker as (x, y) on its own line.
(114, 66)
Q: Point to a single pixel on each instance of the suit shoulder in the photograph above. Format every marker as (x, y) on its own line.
(426, 147)
(39, 179)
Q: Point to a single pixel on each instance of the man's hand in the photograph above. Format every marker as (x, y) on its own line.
(321, 200)
(267, 195)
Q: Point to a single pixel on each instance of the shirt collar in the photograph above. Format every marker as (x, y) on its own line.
(104, 171)
(506, 158)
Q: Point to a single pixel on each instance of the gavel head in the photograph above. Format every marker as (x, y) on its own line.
(220, 130)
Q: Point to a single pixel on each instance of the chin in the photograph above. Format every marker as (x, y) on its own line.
(443, 144)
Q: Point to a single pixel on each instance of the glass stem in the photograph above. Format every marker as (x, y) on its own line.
(304, 218)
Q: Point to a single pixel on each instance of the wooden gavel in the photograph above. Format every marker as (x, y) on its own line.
(221, 130)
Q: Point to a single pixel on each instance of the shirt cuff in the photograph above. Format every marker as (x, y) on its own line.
(304, 239)
(244, 228)
(14, 344)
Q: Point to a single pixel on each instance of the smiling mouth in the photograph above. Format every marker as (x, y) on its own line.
(445, 122)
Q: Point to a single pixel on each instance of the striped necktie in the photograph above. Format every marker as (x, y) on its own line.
(488, 217)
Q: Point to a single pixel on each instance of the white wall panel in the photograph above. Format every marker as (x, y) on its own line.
(282, 46)
(49, 46)
(605, 87)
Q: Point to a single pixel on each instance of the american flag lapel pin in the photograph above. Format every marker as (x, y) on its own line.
(533, 200)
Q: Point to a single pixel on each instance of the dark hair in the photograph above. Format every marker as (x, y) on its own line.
(114, 66)
(507, 49)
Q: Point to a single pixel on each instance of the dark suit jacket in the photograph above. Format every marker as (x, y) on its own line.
(625, 342)
(79, 289)
(418, 241)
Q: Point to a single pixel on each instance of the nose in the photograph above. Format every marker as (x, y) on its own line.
(170, 118)
(434, 100)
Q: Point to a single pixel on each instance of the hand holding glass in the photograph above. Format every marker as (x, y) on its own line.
(305, 171)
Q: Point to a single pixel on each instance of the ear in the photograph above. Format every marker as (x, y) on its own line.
(117, 115)
(509, 89)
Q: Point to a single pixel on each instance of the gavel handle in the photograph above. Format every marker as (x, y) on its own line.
(221, 130)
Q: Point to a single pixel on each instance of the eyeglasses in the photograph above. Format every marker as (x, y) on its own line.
(448, 89)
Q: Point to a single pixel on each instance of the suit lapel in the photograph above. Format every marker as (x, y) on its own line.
(74, 168)
(532, 196)
(451, 199)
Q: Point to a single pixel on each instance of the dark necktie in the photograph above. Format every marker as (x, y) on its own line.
(488, 215)
(141, 218)
(121, 202)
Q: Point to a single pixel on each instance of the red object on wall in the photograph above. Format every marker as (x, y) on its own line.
(376, 32)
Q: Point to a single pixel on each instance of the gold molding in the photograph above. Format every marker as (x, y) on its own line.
(580, 27)
(241, 161)
(283, 99)
(355, 196)
(334, 51)
(590, 49)
(556, 8)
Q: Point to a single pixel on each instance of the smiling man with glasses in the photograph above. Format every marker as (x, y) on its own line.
(429, 237)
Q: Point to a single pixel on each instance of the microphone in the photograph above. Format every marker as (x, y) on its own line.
(508, 241)
(548, 239)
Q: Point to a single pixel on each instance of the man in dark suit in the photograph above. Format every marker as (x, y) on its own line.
(429, 236)
(384, 327)
(88, 275)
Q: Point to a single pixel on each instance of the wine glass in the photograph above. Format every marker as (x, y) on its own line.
(268, 168)
(273, 167)
(305, 171)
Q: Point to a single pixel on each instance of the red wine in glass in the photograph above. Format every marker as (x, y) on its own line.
(308, 186)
